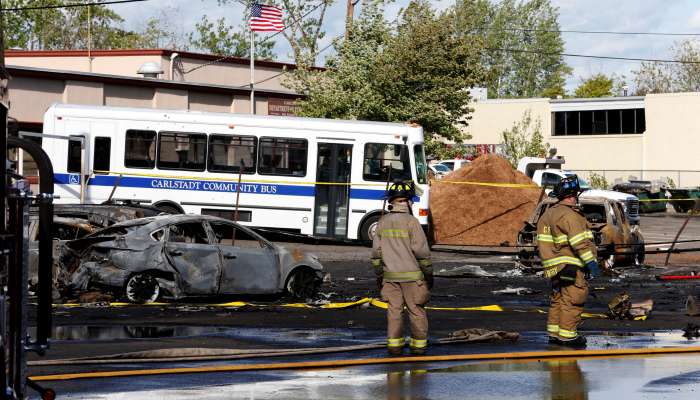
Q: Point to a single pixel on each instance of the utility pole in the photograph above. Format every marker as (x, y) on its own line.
(349, 13)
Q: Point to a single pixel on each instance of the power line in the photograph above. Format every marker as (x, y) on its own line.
(546, 53)
(72, 5)
(294, 21)
(595, 32)
(286, 71)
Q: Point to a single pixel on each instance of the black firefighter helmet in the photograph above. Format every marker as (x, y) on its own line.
(567, 187)
(400, 189)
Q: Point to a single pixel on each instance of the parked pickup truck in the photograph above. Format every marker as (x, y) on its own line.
(547, 172)
(618, 242)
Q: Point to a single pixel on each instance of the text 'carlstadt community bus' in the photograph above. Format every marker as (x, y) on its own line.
(312, 176)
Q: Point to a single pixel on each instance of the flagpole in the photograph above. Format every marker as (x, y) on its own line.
(252, 71)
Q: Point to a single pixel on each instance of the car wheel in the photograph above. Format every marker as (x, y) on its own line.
(303, 284)
(142, 289)
(369, 228)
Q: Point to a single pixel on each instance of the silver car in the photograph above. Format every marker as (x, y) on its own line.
(178, 256)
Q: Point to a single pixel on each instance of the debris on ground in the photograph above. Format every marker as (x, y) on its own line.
(94, 297)
(691, 307)
(467, 214)
(518, 291)
(474, 271)
(621, 307)
(691, 331)
(478, 334)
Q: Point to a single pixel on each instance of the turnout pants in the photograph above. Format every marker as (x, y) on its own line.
(566, 307)
(414, 295)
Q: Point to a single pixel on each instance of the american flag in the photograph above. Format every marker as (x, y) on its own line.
(265, 18)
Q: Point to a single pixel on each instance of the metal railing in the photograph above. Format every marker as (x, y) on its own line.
(669, 177)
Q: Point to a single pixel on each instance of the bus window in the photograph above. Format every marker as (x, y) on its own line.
(185, 151)
(421, 165)
(74, 156)
(378, 158)
(101, 155)
(282, 156)
(140, 151)
(227, 152)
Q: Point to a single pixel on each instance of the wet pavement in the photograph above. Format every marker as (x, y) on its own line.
(652, 377)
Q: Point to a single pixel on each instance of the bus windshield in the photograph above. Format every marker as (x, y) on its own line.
(421, 166)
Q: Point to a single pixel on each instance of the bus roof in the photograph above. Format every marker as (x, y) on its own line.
(217, 118)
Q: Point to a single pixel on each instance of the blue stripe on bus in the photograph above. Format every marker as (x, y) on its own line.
(211, 186)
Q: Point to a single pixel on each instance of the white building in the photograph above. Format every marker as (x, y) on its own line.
(651, 137)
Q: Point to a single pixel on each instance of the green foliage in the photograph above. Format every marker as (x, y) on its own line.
(67, 28)
(598, 181)
(524, 139)
(216, 37)
(509, 73)
(654, 77)
(598, 85)
(670, 183)
(418, 72)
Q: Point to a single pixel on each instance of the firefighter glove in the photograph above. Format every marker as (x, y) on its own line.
(593, 269)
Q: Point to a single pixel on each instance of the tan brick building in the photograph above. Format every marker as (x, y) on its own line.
(189, 81)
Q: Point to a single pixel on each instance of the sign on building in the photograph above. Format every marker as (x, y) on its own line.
(283, 107)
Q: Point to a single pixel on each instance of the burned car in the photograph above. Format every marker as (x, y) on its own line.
(176, 256)
(619, 243)
(74, 221)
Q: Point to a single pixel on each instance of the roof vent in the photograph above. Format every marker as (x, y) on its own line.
(150, 70)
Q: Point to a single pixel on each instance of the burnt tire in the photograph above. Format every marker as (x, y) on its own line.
(142, 289)
(303, 284)
(369, 228)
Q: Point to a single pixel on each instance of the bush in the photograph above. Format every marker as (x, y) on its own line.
(598, 181)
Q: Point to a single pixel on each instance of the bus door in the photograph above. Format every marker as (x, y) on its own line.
(332, 189)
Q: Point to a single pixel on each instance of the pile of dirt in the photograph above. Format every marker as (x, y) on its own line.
(481, 215)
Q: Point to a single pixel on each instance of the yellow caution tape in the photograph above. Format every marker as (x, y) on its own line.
(343, 305)
(493, 184)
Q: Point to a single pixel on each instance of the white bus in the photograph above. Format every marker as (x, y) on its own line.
(311, 176)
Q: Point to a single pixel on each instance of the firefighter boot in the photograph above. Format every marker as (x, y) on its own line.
(577, 342)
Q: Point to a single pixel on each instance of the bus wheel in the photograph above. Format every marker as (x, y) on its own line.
(142, 289)
(168, 208)
(369, 228)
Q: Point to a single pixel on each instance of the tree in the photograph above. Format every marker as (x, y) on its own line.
(511, 30)
(524, 139)
(597, 85)
(67, 28)
(655, 77)
(418, 72)
(220, 38)
(303, 21)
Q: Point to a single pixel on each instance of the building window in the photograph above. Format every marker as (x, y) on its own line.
(183, 151)
(227, 153)
(140, 149)
(599, 122)
(282, 156)
(380, 158)
(74, 155)
(101, 155)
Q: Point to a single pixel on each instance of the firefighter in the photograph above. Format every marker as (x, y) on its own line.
(568, 253)
(401, 260)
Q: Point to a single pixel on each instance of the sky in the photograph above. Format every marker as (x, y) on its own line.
(592, 15)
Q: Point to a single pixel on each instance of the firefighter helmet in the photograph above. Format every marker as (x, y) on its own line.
(567, 187)
(400, 189)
